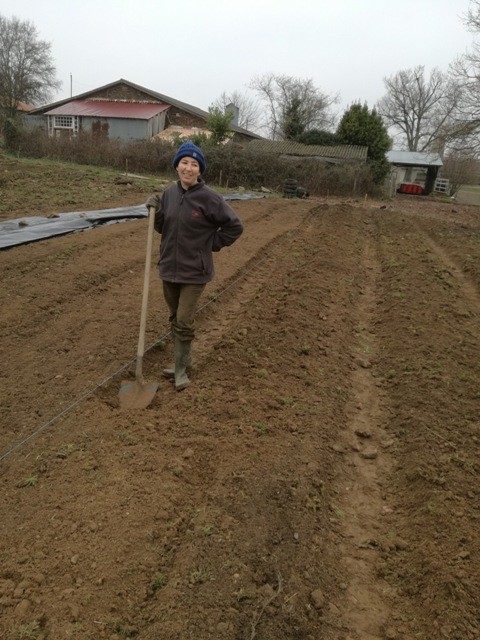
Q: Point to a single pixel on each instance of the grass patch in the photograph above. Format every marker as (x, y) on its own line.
(29, 482)
(26, 632)
(199, 576)
(261, 428)
(124, 630)
(39, 186)
(158, 582)
(471, 188)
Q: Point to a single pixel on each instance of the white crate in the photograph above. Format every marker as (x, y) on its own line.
(442, 185)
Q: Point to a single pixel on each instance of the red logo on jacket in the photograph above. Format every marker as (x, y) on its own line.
(196, 213)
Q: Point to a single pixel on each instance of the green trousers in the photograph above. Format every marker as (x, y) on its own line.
(182, 300)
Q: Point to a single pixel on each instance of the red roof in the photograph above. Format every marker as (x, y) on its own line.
(109, 109)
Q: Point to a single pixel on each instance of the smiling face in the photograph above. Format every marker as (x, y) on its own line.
(188, 171)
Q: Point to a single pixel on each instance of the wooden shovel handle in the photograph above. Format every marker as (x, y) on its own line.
(146, 286)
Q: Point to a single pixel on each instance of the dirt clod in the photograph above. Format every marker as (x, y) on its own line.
(318, 599)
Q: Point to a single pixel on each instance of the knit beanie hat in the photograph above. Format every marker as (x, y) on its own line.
(190, 150)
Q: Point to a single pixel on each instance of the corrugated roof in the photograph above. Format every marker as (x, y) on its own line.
(287, 147)
(108, 109)
(415, 158)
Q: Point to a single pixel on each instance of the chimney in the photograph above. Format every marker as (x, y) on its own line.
(236, 111)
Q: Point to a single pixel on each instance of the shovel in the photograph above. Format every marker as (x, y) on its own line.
(139, 394)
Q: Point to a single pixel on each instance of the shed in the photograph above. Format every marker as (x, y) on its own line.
(420, 167)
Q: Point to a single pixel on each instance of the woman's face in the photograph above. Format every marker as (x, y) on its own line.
(188, 171)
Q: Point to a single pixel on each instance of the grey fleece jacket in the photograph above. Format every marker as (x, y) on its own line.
(193, 223)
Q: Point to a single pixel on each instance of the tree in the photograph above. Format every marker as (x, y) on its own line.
(292, 105)
(420, 109)
(360, 126)
(248, 109)
(463, 135)
(293, 120)
(319, 137)
(219, 123)
(461, 168)
(27, 73)
(473, 16)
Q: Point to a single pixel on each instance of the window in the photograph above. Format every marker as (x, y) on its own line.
(60, 125)
(63, 122)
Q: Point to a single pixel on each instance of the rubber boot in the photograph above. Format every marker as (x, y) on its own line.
(182, 360)
(169, 372)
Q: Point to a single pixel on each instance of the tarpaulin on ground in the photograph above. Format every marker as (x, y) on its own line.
(34, 228)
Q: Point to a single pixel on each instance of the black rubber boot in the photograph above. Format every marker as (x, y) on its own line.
(183, 359)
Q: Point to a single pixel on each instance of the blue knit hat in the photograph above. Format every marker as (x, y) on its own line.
(190, 150)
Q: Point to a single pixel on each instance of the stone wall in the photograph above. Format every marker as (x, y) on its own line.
(122, 92)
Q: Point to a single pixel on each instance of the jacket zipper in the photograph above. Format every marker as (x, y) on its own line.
(175, 271)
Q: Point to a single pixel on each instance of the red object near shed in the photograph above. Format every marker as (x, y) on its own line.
(415, 189)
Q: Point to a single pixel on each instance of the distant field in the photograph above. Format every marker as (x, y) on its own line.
(474, 188)
(469, 195)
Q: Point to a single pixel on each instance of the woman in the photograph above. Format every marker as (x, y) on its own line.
(194, 221)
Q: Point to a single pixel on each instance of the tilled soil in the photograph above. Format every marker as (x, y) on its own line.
(318, 479)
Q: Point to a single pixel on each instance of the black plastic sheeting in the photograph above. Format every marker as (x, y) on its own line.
(34, 228)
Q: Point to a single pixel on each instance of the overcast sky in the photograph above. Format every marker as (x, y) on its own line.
(195, 50)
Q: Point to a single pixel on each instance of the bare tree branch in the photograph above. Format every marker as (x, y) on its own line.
(460, 167)
(465, 133)
(27, 72)
(249, 110)
(420, 109)
(282, 94)
(472, 19)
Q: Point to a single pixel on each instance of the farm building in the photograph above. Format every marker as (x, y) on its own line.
(125, 111)
(414, 168)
